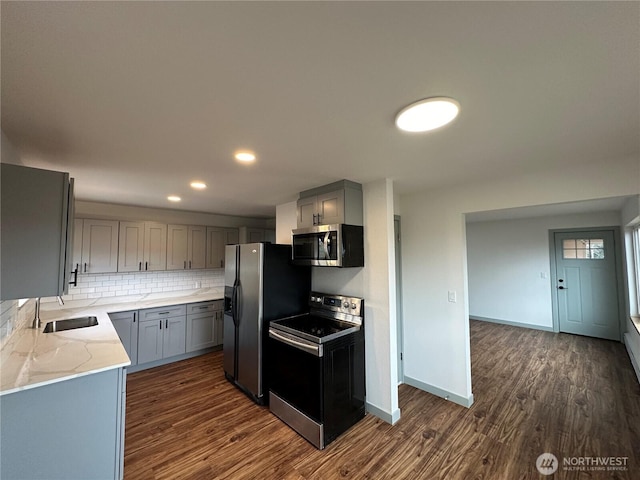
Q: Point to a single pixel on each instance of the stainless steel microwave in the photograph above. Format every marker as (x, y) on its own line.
(336, 245)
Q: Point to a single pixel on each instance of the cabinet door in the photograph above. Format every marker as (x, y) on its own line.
(232, 237)
(255, 235)
(34, 214)
(177, 246)
(307, 212)
(126, 325)
(150, 340)
(155, 246)
(131, 246)
(217, 239)
(175, 335)
(99, 246)
(76, 261)
(331, 207)
(215, 247)
(219, 327)
(197, 247)
(200, 331)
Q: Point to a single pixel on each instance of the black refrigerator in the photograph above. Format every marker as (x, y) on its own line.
(261, 285)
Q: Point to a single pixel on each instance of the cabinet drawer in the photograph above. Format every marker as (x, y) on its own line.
(121, 315)
(162, 312)
(203, 307)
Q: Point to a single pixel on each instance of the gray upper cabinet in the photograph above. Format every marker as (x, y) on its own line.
(256, 235)
(142, 246)
(99, 246)
(339, 202)
(186, 247)
(217, 239)
(37, 232)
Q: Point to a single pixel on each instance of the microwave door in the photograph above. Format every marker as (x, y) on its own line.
(324, 247)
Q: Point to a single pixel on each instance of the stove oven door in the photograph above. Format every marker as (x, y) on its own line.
(295, 381)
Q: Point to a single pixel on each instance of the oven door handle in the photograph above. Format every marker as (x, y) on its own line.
(316, 350)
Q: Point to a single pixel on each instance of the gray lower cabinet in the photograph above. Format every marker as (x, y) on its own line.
(162, 333)
(204, 325)
(69, 430)
(126, 325)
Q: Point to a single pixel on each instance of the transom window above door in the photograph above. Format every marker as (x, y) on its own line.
(583, 248)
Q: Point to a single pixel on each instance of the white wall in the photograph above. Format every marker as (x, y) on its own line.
(436, 345)
(286, 220)
(509, 266)
(376, 284)
(111, 211)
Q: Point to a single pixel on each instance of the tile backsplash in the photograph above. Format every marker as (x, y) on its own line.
(13, 317)
(100, 285)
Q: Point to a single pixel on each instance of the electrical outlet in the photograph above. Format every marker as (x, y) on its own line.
(452, 296)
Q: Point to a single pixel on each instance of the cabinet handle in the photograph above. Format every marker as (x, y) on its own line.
(314, 218)
(164, 313)
(166, 323)
(75, 280)
(202, 308)
(85, 267)
(146, 265)
(189, 264)
(140, 266)
(160, 324)
(134, 317)
(185, 265)
(221, 263)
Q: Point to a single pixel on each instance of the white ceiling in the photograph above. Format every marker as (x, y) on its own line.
(136, 99)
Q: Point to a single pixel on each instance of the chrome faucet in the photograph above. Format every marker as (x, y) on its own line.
(37, 323)
(60, 301)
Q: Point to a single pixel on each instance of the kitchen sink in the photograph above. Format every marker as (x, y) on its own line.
(70, 324)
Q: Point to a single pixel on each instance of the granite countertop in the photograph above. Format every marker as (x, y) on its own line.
(31, 358)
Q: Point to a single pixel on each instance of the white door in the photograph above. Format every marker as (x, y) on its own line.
(586, 283)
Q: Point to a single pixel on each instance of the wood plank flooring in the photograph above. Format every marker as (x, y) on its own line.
(534, 392)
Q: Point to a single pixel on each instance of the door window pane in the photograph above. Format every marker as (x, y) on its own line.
(583, 248)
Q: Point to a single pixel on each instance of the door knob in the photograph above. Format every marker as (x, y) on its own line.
(561, 288)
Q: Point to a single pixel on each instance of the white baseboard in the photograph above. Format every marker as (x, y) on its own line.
(512, 324)
(390, 418)
(439, 392)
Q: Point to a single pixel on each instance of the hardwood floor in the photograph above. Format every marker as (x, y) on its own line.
(534, 392)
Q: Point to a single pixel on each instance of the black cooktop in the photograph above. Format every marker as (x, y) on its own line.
(315, 328)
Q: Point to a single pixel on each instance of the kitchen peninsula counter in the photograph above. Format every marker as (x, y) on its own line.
(31, 358)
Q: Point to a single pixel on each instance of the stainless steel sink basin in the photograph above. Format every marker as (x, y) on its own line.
(70, 324)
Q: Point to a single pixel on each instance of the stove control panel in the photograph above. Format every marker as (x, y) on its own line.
(337, 303)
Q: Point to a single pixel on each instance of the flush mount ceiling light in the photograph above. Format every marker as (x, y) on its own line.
(173, 198)
(198, 185)
(427, 114)
(245, 156)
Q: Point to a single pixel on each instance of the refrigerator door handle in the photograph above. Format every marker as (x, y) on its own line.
(234, 303)
(237, 303)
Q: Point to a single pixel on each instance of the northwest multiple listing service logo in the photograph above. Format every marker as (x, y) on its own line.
(548, 464)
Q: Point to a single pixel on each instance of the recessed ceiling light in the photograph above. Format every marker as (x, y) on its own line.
(173, 198)
(427, 114)
(245, 156)
(198, 185)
